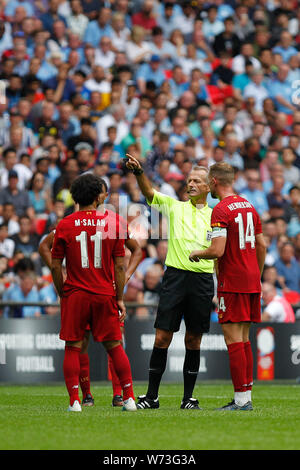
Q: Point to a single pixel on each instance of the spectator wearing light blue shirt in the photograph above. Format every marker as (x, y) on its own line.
(96, 29)
(288, 268)
(151, 71)
(159, 8)
(167, 18)
(161, 253)
(25, 291)
(163, 48)
(294, 73)
(178, 134)
(281, 91)
(11, 6)
(268, 186)
(46, 70)
(241, 80)
(285, 48)
(212, 25)
(256, 89)
(253, 193)
(48, 294)
(224, 10)
(178, 84)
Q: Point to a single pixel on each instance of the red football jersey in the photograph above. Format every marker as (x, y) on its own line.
(89, 240)
(238, 267)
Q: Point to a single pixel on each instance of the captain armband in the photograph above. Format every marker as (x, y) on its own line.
(219, 232)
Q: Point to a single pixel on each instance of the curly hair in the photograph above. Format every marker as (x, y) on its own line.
(86, 188)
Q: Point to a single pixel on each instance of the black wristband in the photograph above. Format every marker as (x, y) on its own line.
(138, 171)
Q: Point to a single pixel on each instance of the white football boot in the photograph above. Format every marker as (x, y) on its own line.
(129, 405)
(75, 407)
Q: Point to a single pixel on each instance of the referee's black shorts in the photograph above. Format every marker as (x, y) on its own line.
(185, 295)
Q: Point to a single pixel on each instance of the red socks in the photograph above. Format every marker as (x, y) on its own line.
(249, 367)
(76, 371)
(117, 389)
(71, 368)
(84, 376)
(123, 370)
(238, 366)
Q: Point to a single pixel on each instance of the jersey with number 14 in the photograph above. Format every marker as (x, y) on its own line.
(235, 218)
(89, 240)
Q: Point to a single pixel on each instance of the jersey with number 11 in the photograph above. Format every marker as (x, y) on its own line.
(89, 240)
(235, 218)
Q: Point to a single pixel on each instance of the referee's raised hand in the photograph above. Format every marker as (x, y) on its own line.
(132, 163)
(145, 185)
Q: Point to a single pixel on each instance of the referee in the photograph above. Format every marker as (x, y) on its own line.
(187, 287)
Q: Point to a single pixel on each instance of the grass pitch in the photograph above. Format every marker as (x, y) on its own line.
(35, 418)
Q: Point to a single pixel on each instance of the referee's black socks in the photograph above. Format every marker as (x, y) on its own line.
(157, 367)
(190, 371)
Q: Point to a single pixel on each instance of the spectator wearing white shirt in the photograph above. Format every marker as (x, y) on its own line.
(104, 56)
(116, 118)
(137, 49)
(190, 61)
(212, 26)
(277, 309)
(7, 246)
(232, 155)
(239, 61)
(185, 22)
(256, 89)
(77, 21)
(230, 117)
(97, 82)
(162, 47)
(291, 172)
(167, 18)
(11, 163)
(6, 41)
(10, 218)
(172, 184)
(120, 32)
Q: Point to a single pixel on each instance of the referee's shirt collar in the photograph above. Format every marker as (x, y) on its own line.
(205, 206)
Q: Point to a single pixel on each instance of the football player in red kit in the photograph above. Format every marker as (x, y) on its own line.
(238, 244)
(89, 240)
(84, 376)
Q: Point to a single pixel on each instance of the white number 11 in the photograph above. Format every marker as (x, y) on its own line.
(97, 239)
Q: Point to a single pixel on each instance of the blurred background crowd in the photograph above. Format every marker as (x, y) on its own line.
(174, 83)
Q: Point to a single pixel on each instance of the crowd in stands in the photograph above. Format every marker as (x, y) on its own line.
(174, 83)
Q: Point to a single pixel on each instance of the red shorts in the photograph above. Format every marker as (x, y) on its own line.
(235, 307)
(100, 312)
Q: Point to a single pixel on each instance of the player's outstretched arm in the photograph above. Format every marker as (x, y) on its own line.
(214, 251)
(135, 258)
(45, 249)
(145, 186)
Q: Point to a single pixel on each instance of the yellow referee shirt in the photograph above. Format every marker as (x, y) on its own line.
(188, 229)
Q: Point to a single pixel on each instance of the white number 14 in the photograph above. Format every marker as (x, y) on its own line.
(249, 235)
